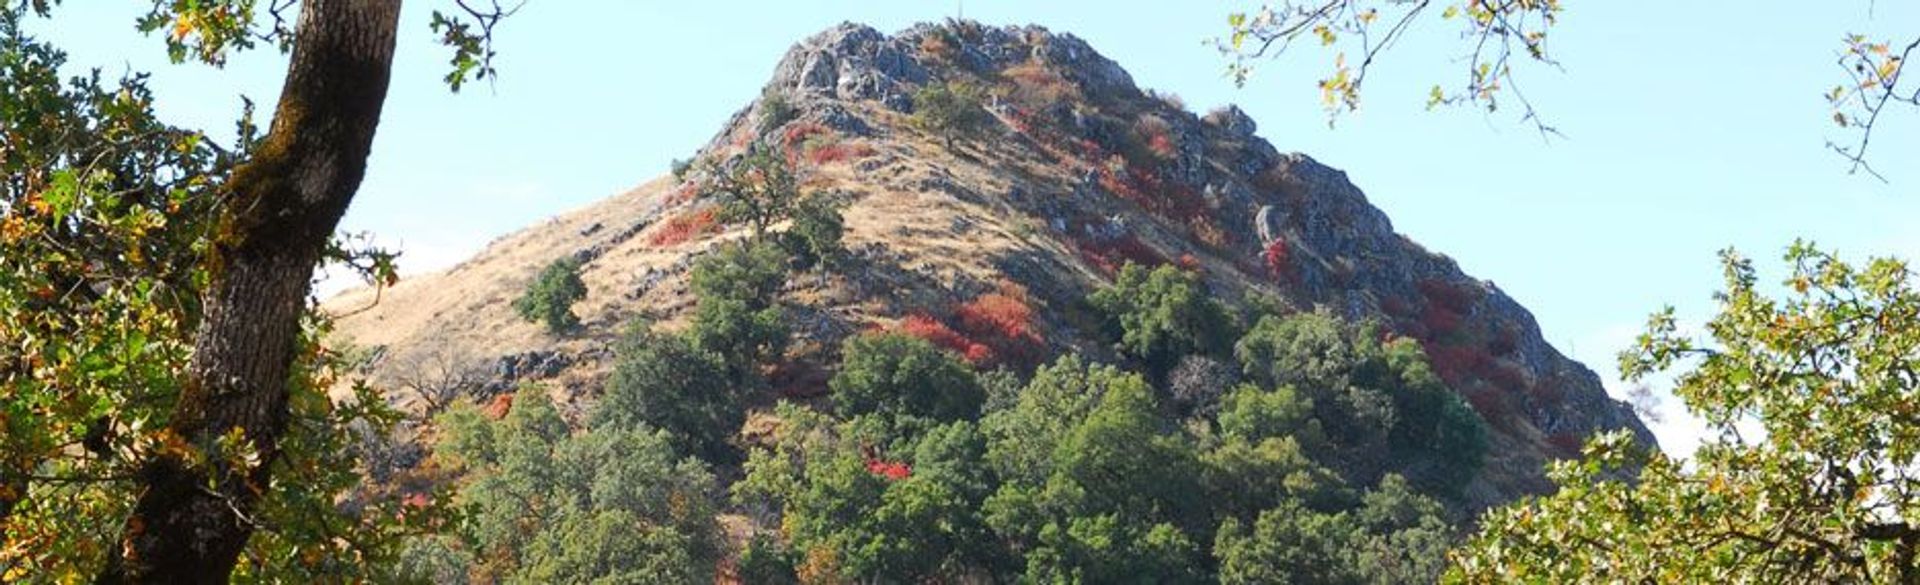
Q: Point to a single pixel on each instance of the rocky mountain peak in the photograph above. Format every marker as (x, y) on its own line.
(1075, 172)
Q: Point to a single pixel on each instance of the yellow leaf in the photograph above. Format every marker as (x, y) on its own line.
(182, 26)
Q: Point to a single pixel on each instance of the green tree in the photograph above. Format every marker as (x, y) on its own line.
(905, 379)
(1260, 459)
(949, 109)
(814, 237)
(666, 382)
(756, 188)
(1809, 399)
(228, 410)
(107, 311)
(1112, 494)
(736, 314)
(544, 505)
(1394, 536)
(1368, 397)
(1162, 314)
(551, 295)
(908, 514)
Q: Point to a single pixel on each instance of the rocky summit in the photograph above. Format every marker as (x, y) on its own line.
(1073, 172)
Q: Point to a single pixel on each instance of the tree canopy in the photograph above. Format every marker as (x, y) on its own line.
(1809, 397)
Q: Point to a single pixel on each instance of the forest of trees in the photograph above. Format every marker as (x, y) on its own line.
(166, 415)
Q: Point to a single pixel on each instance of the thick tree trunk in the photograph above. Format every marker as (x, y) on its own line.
(194, 516)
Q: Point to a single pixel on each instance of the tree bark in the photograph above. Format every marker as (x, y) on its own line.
(194, 514)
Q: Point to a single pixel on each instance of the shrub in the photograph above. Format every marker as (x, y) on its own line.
(543, 505)
(775, 110)
(736, 316)
(899, 376)
(1160, 315)
(938, 333)
(1036, 86)
(837, 152)
(683, 227)
(666, 382)
(1279, 260)
(758, 189)
(949, 109)
(814, 237)
(550, 297)
(1156, 136)
(1004, 322)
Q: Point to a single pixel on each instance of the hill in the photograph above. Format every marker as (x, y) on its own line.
(1075, 172)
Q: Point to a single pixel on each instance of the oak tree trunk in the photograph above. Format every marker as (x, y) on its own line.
(194, 515)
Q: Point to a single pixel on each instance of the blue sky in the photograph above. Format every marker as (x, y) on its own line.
(1690, 127)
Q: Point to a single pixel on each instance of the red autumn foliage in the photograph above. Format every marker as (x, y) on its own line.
(684, 227)
(1035, 85)
(498, 408)
(1395, 306)
(1455, 364)
(939, 334)
(1454, 296)
(1439, 320)
(1002, 324)
(996, 314)
(1491, 403)
(685, 192)
(838, 152)
(798, 133)
(1110, 255)
(892, 470)
(1279, 260)
(1162, 146)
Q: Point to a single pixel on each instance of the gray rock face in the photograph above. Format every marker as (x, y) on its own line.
(850, 62)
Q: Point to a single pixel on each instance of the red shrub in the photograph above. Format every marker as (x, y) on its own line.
(683, 193)
(1455, 296)
(941, 335)
(1504, 375)
(799, 132)
(498, 408)
(1279, 260)
(1162, 146)
(1109, 256)
(683, 227)
(1002, 324)
(1454, 364)
(1156, 135)
(1491, 404)
(1503, 343)
(892, 470)
(1037, 86)
(838, 152)
(1395, 306)
(996, 314)
(1439, 320)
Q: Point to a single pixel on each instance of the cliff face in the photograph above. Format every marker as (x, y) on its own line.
(1076, 172)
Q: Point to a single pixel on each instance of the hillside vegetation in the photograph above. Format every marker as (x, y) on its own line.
(964, 304)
